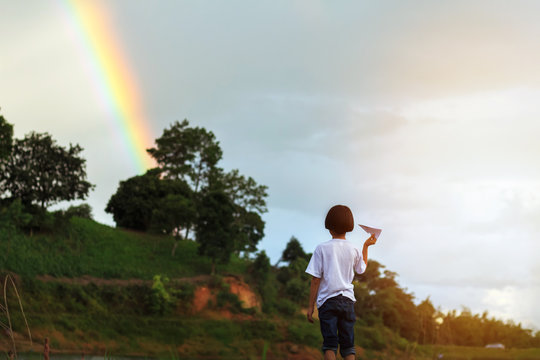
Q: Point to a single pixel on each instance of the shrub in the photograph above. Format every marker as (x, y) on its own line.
(370, 337)
(228, 300)
(160, 300)
(82, 211)
(13, 216)
(304, 333)
(297, 290)
(260, 329)
(184, 296)
(260, 268)
(286, 307)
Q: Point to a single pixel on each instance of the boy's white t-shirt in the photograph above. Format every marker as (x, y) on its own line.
(335, 263)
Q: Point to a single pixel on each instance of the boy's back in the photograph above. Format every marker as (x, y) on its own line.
(335, 262)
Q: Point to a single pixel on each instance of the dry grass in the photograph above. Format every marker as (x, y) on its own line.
(5, 316)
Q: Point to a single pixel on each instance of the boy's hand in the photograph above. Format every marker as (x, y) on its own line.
(370, 241)
(310, 315)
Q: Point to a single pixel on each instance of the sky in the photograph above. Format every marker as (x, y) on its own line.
(421, 116)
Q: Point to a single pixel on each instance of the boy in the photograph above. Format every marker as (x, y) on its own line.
(332, 266)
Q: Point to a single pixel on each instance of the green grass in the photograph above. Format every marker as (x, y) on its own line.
(476, 353)
(134, 319)
(89, 248)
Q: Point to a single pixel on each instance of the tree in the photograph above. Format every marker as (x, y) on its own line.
(40, 172)
(187, 153)
(215, 228)
(174, 212)
(6, 135)
(292, 251)
(147, 202)
(250, 203)
(245, 192)
(82, 211)
(260, 268)
(191, 154)
(426, 311)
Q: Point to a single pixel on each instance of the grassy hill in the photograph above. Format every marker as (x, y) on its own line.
(62, 278)
(85, 247)
(94, 289)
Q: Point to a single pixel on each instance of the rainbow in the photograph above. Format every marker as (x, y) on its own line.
(113, 79)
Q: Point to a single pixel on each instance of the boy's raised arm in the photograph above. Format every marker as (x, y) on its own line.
(313, 291)
(370, 241)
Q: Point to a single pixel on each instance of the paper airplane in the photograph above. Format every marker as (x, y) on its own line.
(373, 231)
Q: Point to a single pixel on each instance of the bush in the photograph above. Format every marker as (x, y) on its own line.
(13, 217)
(370, 337)
(304, 333)
(230, 301)
(161, 300)
(260, 329)
(260, 268)
(286, 307)
(297, 290)
(184, 296)
(269, 296)
(82, 211)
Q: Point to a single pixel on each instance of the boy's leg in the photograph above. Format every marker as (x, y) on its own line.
(330, 355)
(329, 328)
(345, 324)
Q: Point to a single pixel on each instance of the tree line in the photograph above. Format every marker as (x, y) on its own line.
(187, 195)
(35, 173)
(383, 303)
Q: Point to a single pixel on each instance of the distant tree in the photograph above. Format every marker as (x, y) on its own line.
(245, 192)
(135, 200)
(174, 212)
(82, 211)
(6, 137)
(191, 154)
(40, 172)
(249, 199)
(147, 202)
(260, 268)
(187, 153)
(293, 250)
(215, 228)
(427, 312)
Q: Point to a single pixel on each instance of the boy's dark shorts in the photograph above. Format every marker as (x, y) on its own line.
(337, 319)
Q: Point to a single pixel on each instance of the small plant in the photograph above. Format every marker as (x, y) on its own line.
(161, 300)
(286, 307)
(230, 301)
(304, 333)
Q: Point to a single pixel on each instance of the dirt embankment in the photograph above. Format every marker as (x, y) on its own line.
(204, 295)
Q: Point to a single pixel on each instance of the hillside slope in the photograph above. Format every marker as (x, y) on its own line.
(95, 289)
(85, 247)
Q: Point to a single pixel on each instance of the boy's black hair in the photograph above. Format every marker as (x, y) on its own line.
(339, 219)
